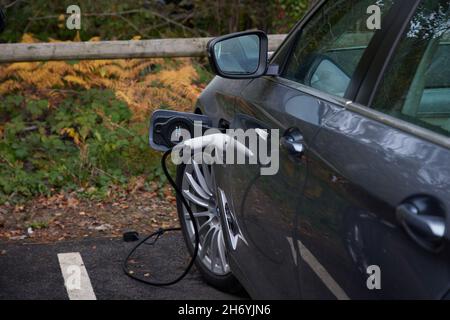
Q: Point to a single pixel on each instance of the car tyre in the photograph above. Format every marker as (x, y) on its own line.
(224, 280)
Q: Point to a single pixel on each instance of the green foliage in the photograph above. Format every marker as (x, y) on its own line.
(288, 12)
(204, 74)
(38, 225)
(87, 143)
(149, 19)
(90, 140)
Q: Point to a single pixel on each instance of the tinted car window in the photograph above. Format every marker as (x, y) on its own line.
(331, 45)
(416, 85)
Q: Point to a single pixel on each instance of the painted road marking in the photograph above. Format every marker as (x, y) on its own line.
(294, 253)
(322, 273)
(76, 278)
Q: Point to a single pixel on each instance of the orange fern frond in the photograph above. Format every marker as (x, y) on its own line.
(28, 38)
(9, 86)
(75, 80)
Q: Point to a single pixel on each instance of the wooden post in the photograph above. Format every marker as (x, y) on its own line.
(184, 47)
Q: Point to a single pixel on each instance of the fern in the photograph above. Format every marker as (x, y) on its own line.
(144, 84)
(9, 86)
(76, 81)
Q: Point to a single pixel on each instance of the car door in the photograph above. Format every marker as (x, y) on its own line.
(297, 104)
(265, 205)
(377, 198)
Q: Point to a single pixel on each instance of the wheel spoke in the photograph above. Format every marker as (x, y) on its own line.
(221, 249)
(204, 225)
(198, 214)
(193, 198)
(207, 175)
(214, 251)
(197, 188)
(201, 178)
(205, 243)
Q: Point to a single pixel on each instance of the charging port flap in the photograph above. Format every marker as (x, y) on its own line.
(168, 128)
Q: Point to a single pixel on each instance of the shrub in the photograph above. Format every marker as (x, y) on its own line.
(88, 143)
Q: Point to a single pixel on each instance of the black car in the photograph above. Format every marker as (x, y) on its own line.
(360, 205)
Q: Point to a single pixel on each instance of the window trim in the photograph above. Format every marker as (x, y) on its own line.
(377, 44)
(396, 123)
(376, 69)
(345, 104)
(319, 94)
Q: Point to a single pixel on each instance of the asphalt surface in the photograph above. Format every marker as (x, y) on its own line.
(32, 271)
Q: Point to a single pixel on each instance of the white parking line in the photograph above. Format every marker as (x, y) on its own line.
(76, 278)
(322, 273)
(294, 253)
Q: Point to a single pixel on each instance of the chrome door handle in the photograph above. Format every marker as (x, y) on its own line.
(424, 220)
(293, 142)
(292, 146)
(429, 225)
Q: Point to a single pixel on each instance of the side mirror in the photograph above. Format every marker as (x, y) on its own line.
(241, 55)
(168, 128)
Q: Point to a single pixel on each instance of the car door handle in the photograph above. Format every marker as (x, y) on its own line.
(424, 220)
(432, 226)
(293, 142)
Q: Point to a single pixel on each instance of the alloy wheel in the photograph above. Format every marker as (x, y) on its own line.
(199, 189)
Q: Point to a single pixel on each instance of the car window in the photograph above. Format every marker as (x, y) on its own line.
(416, 85)
(331, 44)
(330, 78)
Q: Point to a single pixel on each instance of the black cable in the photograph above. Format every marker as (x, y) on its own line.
(161, 231)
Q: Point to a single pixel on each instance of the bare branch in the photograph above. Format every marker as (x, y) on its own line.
(176, 23)
(121, 13)
(132, 25)
(90, 14)
(9, 5)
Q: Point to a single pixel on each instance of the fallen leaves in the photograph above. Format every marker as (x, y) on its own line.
(65, 216)
(15, 238)
(136, 184)
(72, 202)
(102, 228)
(19, 208)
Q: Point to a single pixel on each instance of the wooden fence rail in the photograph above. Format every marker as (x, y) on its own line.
(155, 48)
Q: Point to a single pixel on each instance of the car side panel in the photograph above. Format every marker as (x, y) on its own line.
(218, 99)
(360, 172)
(266, 206)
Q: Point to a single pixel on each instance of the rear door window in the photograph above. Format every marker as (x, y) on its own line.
(416, 85)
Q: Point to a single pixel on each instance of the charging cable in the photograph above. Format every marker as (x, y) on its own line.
(161, 231)
(221, 142)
